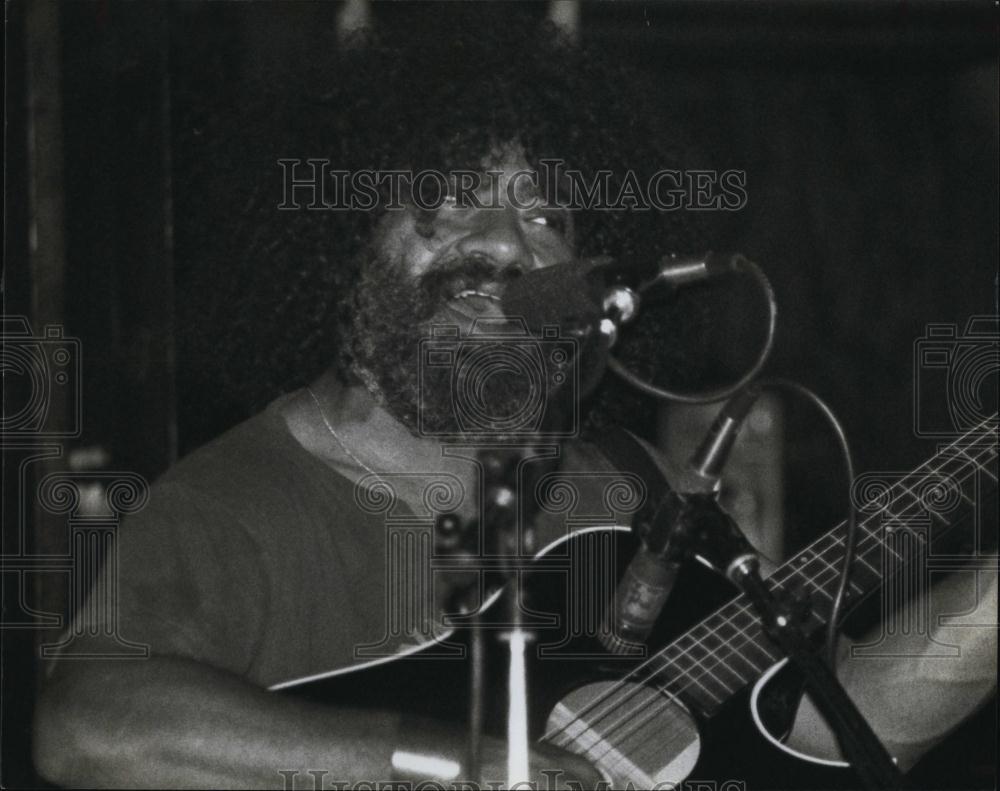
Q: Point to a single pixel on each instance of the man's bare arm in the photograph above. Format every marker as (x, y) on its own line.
(172, 722)
(916, 698)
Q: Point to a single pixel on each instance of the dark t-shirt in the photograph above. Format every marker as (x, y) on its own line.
(254, 556)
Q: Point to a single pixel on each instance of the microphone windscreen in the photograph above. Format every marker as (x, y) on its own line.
(563, 295)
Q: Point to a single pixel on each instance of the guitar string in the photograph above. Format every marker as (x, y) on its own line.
(797, 572)
(810, 550)
(673, 695)
(646, 735)
(751, 638)
(792, 572)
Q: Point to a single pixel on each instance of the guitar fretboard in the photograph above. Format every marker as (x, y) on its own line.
(897, 521)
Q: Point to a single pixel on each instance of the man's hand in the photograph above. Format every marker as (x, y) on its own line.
(914, 698)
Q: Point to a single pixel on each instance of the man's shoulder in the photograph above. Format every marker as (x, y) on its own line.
(256, 459)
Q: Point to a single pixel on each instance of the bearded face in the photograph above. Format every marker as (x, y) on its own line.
(394, 319)
(448, 273)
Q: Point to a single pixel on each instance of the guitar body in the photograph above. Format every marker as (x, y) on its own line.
(681, 713)
(655, 738)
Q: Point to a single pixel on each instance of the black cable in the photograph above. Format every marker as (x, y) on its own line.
(739, 263)
(850, 541)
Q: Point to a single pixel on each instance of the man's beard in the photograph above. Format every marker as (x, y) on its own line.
(393, 315)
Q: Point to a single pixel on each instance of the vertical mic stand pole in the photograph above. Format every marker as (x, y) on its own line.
(477, 702)
(500, 471)
(453, 535)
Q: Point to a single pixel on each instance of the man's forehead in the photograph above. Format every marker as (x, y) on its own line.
(511, 179)
(506, 166)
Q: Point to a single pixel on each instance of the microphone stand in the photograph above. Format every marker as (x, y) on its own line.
(702, 528)
(454, 535)
(477, 701)
(501, 522)
(712, 534)
(498, 538)
(506, 525)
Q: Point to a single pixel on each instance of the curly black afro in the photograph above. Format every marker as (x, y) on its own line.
(262, 292)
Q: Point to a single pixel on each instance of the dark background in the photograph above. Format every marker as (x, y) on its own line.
(868, 132)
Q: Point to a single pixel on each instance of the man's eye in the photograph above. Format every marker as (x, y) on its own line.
(554, 220)
(451, 204)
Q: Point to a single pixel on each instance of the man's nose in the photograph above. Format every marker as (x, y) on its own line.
(498, 236)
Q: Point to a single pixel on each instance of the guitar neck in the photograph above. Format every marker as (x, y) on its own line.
(899, 517)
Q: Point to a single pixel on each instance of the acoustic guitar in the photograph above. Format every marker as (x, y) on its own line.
(680, 712)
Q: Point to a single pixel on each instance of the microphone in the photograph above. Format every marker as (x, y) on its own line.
(680, 519)
(563, 295)
(647, 582)
(579, 296)
(670, 270)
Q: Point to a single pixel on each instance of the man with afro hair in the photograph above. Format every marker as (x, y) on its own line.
(258, 560)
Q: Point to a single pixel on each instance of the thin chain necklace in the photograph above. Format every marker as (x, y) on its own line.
(336, 436)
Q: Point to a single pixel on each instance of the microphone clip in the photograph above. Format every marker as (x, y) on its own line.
(694, 525)
(713, 536)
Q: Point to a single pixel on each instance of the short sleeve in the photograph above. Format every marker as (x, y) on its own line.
(183, 577)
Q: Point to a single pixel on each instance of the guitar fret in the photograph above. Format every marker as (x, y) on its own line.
(745, 638)
(871, 545)
(875, 571)
(723, 653)
(961, 465)
(937, 468)
(710, 669)
(862, 569)
(715, 645)
(866, 533)
(834, 570)
(982, 467)
(744, 658)
(745, 635)
(830, 574)
(706, 688)
(892, 518)
(809, 582)
(836, 573)
(685, 674)
(889, 549)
